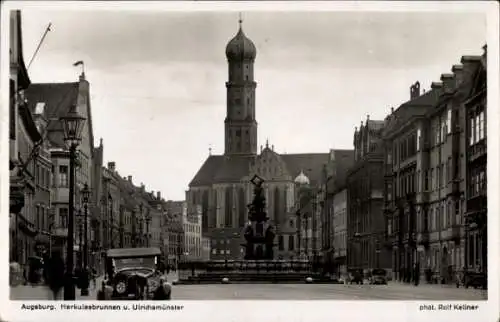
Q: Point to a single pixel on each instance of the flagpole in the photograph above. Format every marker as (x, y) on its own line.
(39, 44)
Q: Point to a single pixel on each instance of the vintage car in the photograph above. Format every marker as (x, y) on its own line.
(133, 275)
(378, 276)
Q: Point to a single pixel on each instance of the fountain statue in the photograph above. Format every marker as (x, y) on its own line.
(258, 233)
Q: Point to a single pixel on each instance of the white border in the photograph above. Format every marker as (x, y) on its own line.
(273, 310)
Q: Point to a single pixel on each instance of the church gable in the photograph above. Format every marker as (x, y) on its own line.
(270, 166)
(205, 175)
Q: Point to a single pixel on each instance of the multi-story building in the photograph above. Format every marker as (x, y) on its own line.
(406, 168)
(153, 232)
(54, 100)
(173, 232)
(365, 185)
(110, 201)
(334, 180)
(24, 141)
(191, 222)
(339, 235)
(476, 241)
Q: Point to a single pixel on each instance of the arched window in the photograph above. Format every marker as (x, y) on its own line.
(204, 210)
(242, 207)
(213, 218)
(277, 208)
(228, 222)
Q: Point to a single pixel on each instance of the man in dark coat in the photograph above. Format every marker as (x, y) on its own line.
(55, 274)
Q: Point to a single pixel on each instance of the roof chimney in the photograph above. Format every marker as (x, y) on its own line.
(448, 82)
(111, 166)
(469, 63)
(436, 85)
(415, 90)
(392, 110)
(272, 147)
(153, 193)
(129, 178)
(158, 195)
(100, 142)
(367, 117)
(143, 187)
(261, 149)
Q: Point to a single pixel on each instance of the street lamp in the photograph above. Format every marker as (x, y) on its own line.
(72, 125)
(85, 273)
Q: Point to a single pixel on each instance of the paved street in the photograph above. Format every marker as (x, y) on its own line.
(28, 292)
(393, 291)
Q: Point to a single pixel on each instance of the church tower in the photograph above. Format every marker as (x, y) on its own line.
(240, 124)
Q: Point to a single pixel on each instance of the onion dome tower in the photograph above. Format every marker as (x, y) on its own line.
(240, 123)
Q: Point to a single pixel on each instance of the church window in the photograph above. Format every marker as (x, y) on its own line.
(238, 133)
(246, 77)
(248, 98)
(229, 207)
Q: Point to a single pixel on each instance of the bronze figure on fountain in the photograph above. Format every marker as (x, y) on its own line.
(259, 233)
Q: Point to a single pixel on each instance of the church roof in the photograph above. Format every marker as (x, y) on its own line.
(226, 169)
(241, 47)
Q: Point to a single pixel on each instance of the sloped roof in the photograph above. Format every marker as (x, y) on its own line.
(233, 168)
(58, 97)
(220, 168)
(311, 163)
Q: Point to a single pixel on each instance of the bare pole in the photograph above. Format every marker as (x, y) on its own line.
(40, 44)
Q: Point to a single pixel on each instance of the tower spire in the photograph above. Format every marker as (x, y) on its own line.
(240, 19)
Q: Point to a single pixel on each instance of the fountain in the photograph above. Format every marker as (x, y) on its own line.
(258, 264)
(258, 233)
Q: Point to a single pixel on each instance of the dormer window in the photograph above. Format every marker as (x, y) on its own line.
(39, 108)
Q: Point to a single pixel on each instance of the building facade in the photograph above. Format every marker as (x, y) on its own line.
(24, 138)
(333, 182)
(406, 169)
(476, 219)
(222, 185)
(339, 234)
(365, 185)
(173, 232)
(191, 222)
(52, 101)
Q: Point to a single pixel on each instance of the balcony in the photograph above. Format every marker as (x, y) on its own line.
(477, 151)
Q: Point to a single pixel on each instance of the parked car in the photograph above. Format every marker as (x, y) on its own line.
(378, 276)
(471, 279)
(356, 277)
(133, 274)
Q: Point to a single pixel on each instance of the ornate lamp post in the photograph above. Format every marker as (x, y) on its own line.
(80, 238)
(85, 272)
(73, 125)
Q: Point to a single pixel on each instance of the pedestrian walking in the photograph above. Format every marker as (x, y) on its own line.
(55, 275)
(417, 274)
(94, 277)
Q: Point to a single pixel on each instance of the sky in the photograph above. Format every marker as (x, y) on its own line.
(157, 79)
